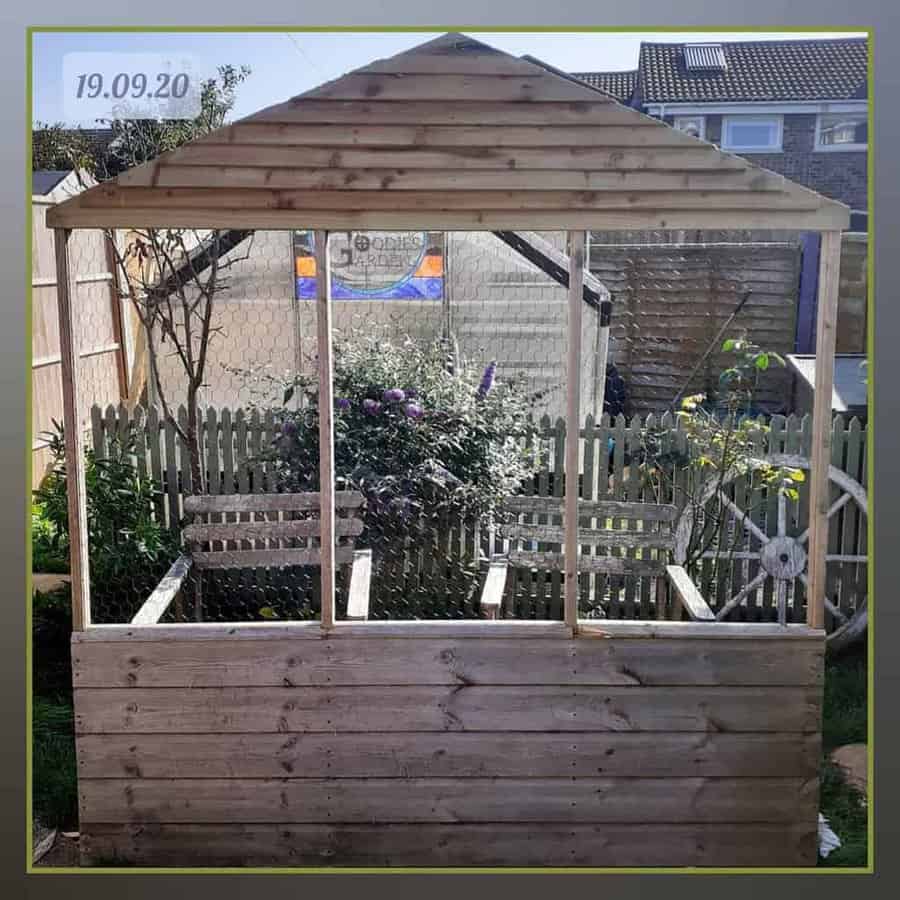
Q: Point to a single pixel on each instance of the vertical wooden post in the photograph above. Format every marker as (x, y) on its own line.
(76, 495)
(820, 458)
(326, 434)
(118, 325)
(604, 319)
(573, 424)
(298, 325)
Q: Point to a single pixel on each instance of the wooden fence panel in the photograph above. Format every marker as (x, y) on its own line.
(438, 561)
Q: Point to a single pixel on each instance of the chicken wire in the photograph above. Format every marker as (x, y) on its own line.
(476, 305)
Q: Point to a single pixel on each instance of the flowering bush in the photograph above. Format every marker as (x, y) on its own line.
(723, 444)
(419, 440)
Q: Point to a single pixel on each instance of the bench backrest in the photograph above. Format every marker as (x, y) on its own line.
(267, 529)
(536, 526)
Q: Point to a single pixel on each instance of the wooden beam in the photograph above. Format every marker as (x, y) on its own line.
(690, 598)
(548, 259)
(77, 492)
(166, 591)
(601, 355)
(573, 423)
(326, 433)
(398, 179)
(407, 217)
(820, 457)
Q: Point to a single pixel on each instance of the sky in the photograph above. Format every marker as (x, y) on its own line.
(284, 64)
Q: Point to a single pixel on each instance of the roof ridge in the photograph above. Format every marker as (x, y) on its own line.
(766, 42)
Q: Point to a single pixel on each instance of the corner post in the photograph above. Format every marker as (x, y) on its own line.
(820, 457)
(573, 424)
(326, 433)
(71, 395)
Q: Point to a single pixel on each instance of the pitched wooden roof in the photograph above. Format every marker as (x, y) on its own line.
(452, 134)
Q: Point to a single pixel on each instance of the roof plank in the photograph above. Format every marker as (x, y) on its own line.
(488, 142)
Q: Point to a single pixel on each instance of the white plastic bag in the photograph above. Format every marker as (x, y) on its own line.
(828, 840)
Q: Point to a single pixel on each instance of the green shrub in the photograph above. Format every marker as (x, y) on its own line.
(420, 438)
(128, 549)
(47, 554)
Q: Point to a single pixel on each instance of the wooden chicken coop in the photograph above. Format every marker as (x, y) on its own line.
(675, 742)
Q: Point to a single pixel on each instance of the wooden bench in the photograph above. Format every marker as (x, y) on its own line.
(651, 531)
(289, 519)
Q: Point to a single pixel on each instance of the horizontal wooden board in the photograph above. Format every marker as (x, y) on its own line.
(650, 512)
(625, 800)
(239, 559)
(412, 629)
(610, 565)
(529, 754)
(584, 158)
(420, 844)
(715, 216)
(555, 534)
(591, 628)
(112, 195)
(469, 111)
(397, 661)
(398, 179)
(538, 86)
(364, 134)
(220, 503)
(276, 531)
(456, 708)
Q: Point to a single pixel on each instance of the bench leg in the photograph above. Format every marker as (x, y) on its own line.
(492, 593)
(360, 583)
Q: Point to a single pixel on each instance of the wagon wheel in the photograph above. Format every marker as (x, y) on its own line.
(782, 557)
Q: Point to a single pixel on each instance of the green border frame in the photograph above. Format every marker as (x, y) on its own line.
(869, 869)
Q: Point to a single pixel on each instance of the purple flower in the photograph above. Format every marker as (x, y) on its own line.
(371, 407)
(289, 428)
(413, 410)
(393, 395)
(342, 403)
(487, 379)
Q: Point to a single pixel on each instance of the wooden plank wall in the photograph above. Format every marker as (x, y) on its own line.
(669, 301)
(98, 331)
(347, 750)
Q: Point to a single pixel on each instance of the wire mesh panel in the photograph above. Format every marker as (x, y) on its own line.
(101, 332)
(449, 391)
(671, 302)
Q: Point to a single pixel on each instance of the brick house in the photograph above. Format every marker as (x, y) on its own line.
(798, 107)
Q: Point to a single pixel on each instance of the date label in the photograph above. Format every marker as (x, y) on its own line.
(130, 86)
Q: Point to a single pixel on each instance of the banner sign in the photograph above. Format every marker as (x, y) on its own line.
(375, 265)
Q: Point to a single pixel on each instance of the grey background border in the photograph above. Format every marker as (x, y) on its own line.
(882, 15)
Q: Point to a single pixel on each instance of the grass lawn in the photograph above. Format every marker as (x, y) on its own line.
(844, 721)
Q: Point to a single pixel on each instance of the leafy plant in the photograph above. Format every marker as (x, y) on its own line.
(419, 439)
(723, 444)
(128, 548)
(172, 277)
